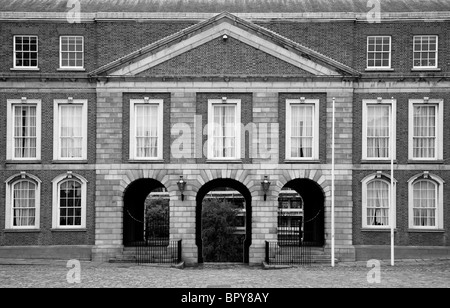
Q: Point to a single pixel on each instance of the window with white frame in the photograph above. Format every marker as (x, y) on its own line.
(425, 51)
(376, 201)
(69, 201)
(224, 129)
(70, 129)
(379, 123)
(23, 129)
(425, 129)
(378, 52)
(146, 129)
(22, 202)
(425, 202)
(71, 52)
(302, 127)
(25, 51)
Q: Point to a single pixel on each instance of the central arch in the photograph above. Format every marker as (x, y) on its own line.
(243, 190)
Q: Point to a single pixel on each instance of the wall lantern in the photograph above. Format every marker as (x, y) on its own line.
(181, 185)
(265, 186)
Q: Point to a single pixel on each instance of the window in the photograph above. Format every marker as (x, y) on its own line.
(224, 129)
(377, 132)
(22, 202)
(376, 201)
(146, 129)
(425, 202)
(69, 201)
(70, 129)
(302, 127)
(25, 51)
(71, 52)
(23, 129)
(425, 129)
(425, 51)
(378, 52)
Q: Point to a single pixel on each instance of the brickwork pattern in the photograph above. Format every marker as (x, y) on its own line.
(403, 235)
(230, 57)
(46, 235)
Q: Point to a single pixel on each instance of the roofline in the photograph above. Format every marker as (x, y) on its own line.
(99, 16)
(174, 37)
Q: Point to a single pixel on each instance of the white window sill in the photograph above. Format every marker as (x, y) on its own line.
(143, 161)
(377, 161)
(425, 161)
(387, 69)
(31, 230)
(70, 161)
(413, 230)
(68, 69)
(231, 160)
(24, 161)
(384, 229)
(25, 69)
(69, 229)
(301, 161)
(425, 69)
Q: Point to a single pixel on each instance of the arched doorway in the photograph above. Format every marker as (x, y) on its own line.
(301, 213)
(221, 187)
(139, 197)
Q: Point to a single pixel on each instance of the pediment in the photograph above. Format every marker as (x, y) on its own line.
(247, 50)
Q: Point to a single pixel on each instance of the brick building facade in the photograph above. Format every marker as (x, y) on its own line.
(67, 181)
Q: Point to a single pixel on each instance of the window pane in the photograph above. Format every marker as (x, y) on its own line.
(424, 203)
(146, 124)
(378, 132)
(24, 203)
(302, 130)
(378, 49)
(71, 131)
(70, 203)
(377, 203)
(224, 131)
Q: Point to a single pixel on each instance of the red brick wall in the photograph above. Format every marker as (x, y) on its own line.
(47, 236)
(402, 123)
(225, 58)
(47, 123)
(403, 236)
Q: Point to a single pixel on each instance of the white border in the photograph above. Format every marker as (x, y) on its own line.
(315, 143)
(132, 141)
(10, 128)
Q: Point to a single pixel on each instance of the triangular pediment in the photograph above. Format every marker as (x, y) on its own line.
(225, 45)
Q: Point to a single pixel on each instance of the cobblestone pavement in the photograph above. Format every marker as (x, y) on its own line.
(49, 274)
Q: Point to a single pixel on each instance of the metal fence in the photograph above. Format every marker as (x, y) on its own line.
(277, 254)
(168, 252)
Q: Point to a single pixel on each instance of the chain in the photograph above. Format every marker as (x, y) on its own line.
(133, 217)
(313, 217)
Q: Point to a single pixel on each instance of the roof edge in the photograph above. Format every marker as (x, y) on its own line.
(388, 16)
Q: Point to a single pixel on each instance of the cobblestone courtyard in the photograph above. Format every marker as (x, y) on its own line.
(418, 274)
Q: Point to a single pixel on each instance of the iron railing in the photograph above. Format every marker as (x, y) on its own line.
(277, 254)
(168, 252)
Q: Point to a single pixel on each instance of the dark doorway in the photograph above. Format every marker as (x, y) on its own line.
(232, 191)
(301, 214)
(138, 198)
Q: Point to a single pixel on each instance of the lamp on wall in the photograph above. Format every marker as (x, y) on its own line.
(265, 186)
(181, 185)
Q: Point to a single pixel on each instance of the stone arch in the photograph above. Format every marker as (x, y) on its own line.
(134, 197)
(245, 192)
